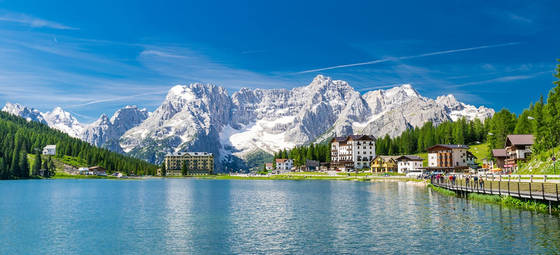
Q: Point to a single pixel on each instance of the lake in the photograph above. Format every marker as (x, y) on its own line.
(190, 216)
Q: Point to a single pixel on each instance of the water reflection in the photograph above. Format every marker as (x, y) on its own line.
(190, 216)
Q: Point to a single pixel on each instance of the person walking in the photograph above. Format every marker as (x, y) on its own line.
(467, 179)
(475, 181)
(481, 183)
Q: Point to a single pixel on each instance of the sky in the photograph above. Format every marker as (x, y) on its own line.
(94, 57)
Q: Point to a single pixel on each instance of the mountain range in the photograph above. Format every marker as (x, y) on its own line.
(205, 117)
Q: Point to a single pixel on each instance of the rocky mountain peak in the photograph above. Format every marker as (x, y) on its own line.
(29, 114)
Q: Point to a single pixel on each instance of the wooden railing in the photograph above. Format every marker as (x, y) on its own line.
(545, 191)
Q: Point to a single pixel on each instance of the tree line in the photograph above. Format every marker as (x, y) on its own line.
(542, 119)
(19, 137)
(300, 154)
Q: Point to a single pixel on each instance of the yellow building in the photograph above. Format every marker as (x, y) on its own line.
(195, 163)
(384, 164)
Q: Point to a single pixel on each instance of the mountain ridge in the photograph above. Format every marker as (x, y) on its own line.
(205, 117)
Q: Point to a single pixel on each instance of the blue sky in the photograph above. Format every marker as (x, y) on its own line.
(95, 57)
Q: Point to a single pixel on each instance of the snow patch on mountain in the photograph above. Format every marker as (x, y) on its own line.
(205, 117)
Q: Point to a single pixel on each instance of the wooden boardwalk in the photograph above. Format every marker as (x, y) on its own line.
(529, 194)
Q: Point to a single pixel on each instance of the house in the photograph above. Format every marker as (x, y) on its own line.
(518, 149)
(352, 152)
(384, 164)
(311, 165)
(97, 170)
(194, 162)
(500, 156)
(487, 163)
(471, 160)
(324, 166)
(447, 157)
(407, 163)
(49, 150)
(269, 166)
(83, 171)
(284, 164)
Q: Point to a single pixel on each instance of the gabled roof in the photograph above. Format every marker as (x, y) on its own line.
(449, 146)
(353, 137)
(499, 153)
(311, 162)
(50, 146)
(386, 158)
(96, 168)
(190, 153)
(410, 158)
(281, 160)
(520, 140)
(471, 155)
(362, 137)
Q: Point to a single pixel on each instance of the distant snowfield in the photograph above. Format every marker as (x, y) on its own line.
(206, 117)
(257, 135)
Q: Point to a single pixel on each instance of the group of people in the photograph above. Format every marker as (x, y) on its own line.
(476, 182)
(472, 181)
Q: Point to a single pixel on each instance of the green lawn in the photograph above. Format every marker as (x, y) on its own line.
(64, 175)
(480, 151)
(423, 155)
(541, 163)
(73, 161)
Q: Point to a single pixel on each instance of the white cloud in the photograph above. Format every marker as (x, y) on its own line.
(31, 21)
(508, 78)
(410, 57)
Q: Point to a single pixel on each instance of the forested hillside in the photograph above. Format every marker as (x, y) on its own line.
(541, 119)
(19, 137)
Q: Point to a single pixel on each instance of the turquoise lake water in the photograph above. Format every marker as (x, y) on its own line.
(189, 216)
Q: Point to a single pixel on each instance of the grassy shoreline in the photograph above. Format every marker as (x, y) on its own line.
(514, 202)
(442, 190)
(506, 201)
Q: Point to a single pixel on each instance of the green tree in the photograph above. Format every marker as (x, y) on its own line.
(549, 134)
(524, 123)
(163, 169)
(23, 164)
(37, 165)
(184, 168)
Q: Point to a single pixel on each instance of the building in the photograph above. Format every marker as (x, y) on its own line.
(471, 160)
(49, 150)
(97, 170)
(324, 166)
(447, 157)
(194, 162)
(311, 165)
(352, 152)
(269, 166)
(518, 149)
(409, 163)
(487, 163)
(500, 156)
(284, 164)
(83, 171)
(384, 164)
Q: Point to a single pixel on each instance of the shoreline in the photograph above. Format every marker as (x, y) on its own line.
(504, 200)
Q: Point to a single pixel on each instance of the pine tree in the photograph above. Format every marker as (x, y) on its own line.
(184, 170)
(3, 169)
(37, 165)
(163, 169)
(23, 164)
(15, 170)
(51, 168)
